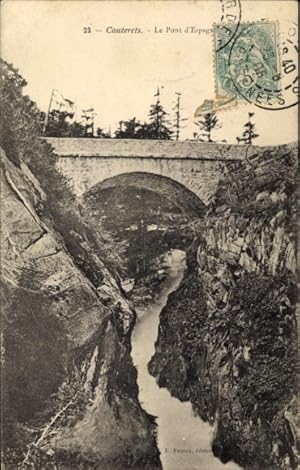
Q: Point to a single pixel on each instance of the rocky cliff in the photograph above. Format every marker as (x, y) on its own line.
(227, 338)
(70, 394)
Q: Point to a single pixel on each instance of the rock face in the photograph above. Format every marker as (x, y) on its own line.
(70, 387)
(235, 355)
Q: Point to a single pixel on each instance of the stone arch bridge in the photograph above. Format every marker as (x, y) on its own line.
(196, 165)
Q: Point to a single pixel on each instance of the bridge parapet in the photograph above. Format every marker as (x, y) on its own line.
(161, 149)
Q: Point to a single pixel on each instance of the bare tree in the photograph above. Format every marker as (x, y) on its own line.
(178, 118)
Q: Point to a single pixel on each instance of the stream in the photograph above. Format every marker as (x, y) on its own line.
(183, 439)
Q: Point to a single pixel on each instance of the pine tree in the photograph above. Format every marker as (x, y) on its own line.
(158, 126)
(207, 124)
(88, 118)
(101, 134)
(128, 129)
(58, 124)
(77, 130)
(249, 133)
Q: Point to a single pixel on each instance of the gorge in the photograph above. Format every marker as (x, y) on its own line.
(213, 347)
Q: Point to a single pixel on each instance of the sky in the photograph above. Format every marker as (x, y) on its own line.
(118, 74)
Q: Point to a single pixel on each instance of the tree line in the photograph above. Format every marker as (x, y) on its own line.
(60, 122)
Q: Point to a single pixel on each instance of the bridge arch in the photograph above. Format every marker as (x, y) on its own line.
(173, 191)
(139, 217)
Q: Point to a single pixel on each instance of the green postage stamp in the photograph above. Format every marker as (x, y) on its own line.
(248, 66)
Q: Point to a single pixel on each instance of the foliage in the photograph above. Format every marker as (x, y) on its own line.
(265, 304)
(28, 362)
(19, 116)
(207, 125)
(20, 125)
(249, 133)
(127, 244)
(61, 124)
(100, 133)
(260, 315)
(235, 360)
(129, 129)
(259, 186)
(156, 128)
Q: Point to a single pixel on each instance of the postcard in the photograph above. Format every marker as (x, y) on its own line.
(149, 155)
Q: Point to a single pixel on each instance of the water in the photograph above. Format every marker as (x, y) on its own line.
(183, 439)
